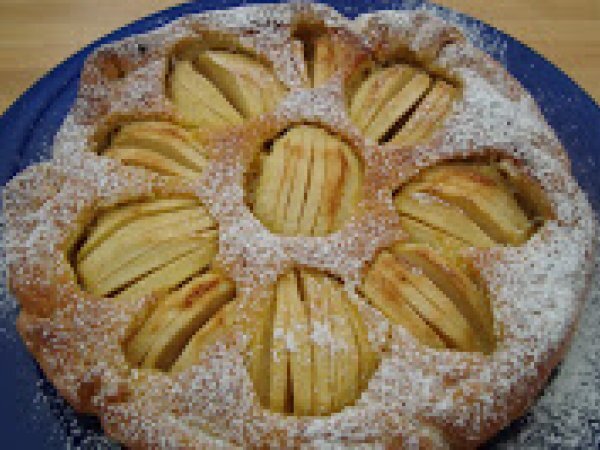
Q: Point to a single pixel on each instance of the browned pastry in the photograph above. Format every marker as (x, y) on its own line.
(276, 227)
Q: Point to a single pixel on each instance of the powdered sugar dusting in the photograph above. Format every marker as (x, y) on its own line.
(418, 396)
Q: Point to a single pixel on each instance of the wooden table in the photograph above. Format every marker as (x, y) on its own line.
(36, 35)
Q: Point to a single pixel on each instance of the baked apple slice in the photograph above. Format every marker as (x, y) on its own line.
(481, 194)
(326, 59)
(368, 356)
(124, 246)
(207, 334)
(309, 351)
(322, 338)
(309, 184)
(434, 238)
(113, 219)
(527, 191)
(162, 337)
(428, 115)
(375, 92)
(479, 204)
(437, 214)
(451, 279)
(300, 363)
(417, 295)
(159, 146)
(345, 352)
(162, 247)
(141, 247)
(258, 358)
(323, 53)
(380, 288)
(155, 162)
(171, 275)
(300, 157)
(399, 103)
(198, 101)
(280, 386)
(249, 85)
(444, 210)
(398, 106)
(316, 139)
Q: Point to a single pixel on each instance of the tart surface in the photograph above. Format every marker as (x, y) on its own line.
(274, 226)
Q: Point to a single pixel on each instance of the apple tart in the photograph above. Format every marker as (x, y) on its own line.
(274, 226)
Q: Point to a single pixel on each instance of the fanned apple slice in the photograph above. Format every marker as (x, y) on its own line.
(238, 81)
(270, 183)
(332, 343)
(428, 115)
(259, 352)
(165, 140)
(316, 138)
(529, 191)
(249, 85)
(300, 158)
(112, 220)
(326, 59)
(368, 358)
(199, 102)
(300, 354)
(398, 106)
(431, 211)
(376, 91)
(341, 189)
(436, 239)
(142, 262)
(351, 191)
(279, 366)
(318, 304)
(309, 184)
(174, 273)
(482, 195)
(150, 160)
(434, 307)
(136, 237)
(216, 326)
(380, 288)
(345, 350)
(134, 240)
(292, 140)
(332, 190)
(165, 333)
(456, 285)
(140, 228)
(308, 349)
(167, 310)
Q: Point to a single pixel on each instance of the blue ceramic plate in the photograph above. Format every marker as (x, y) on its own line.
(32, 415)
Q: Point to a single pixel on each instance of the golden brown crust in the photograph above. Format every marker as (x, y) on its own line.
(418, 396)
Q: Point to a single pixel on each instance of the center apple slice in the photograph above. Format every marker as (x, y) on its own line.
(309, 183)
